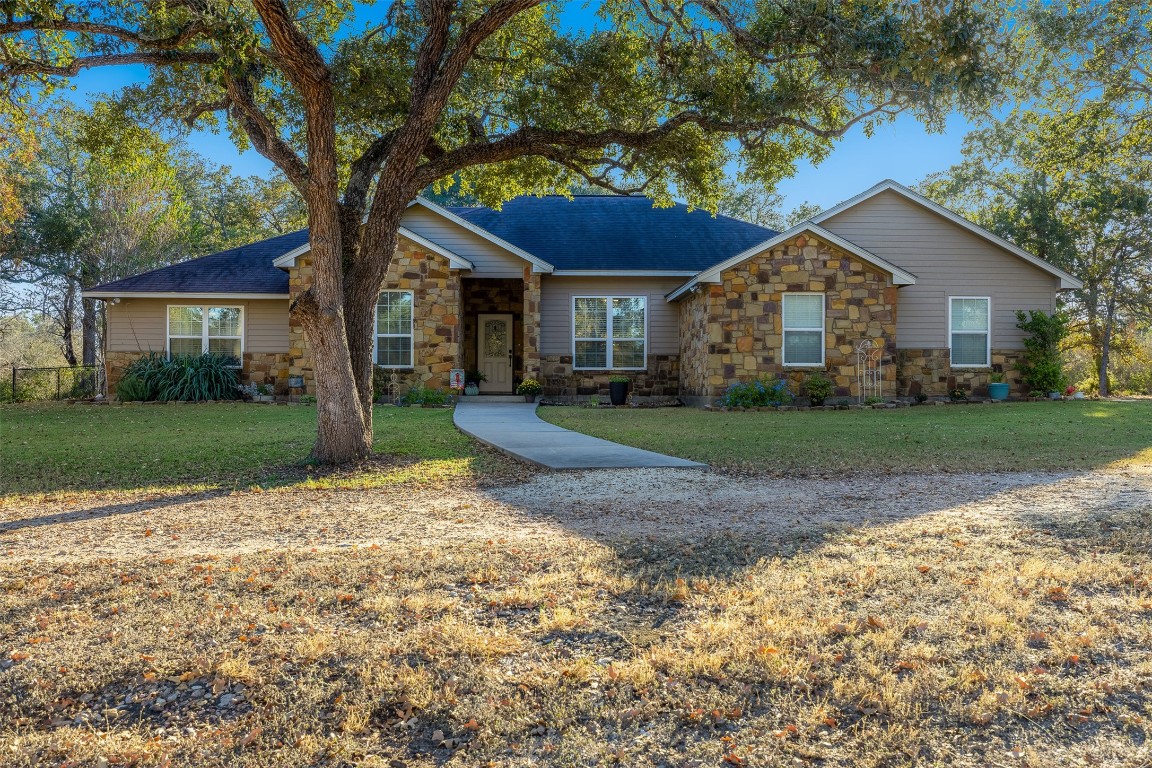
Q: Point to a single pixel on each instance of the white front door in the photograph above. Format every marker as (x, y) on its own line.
(494, 352)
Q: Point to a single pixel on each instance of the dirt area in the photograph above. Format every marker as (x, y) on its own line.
(603, 505)
(669, 618)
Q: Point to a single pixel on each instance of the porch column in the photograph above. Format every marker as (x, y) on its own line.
(531, 324)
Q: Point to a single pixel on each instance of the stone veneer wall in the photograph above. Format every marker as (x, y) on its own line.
(929, 371)
(742, 315)
(661, 379)
(269, 368)
(435, 322)
(694, 317)
(533, 369)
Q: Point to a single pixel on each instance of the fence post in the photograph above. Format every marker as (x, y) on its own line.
(13, 383)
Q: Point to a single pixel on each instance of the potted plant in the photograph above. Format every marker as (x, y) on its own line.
(819, 388)
(998, 388)
(472, 381)
(1073, 393)
(530, 388)
(618, 389)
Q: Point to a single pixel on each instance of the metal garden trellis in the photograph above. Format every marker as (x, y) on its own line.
(869, 369)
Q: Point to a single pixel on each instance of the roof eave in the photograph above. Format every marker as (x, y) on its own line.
(101, 292)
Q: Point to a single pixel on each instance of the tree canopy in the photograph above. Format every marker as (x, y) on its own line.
(500, 97)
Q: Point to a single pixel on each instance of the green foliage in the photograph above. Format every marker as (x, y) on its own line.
(958, 394)
(422, 395)
(819, 388)
(1042, 366)
(132, 388)
(307, 399)
(620, 379)
(193, 378)
(474, 377)
(760, 393)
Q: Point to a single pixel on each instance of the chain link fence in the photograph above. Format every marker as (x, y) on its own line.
(62, 383)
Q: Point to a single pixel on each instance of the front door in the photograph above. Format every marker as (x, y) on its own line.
(494, 352)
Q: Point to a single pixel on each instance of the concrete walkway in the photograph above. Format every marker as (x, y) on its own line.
(515, 429)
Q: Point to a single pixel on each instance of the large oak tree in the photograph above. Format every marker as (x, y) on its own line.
(499, 95)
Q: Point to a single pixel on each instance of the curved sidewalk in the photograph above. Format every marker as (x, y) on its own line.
(515, 429)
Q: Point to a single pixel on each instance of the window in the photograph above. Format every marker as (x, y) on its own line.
(609, 332)
(803, 328)
(201, 330)
(969, 324)
(394, 329)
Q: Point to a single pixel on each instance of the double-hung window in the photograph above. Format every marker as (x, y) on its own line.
(198, 330)
(610, 332)
(970, 331)
(803, 315)
(394, 329)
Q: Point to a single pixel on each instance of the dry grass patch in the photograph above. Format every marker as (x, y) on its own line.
(935, 641)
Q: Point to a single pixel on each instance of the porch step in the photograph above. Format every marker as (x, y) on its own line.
(494, 398)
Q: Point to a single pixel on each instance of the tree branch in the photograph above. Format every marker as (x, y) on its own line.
(264, 135)
(177, 40)
(73, 68)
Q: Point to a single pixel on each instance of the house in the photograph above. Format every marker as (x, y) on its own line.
(570, 291)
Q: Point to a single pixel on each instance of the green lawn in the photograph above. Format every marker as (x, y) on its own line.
(1002, 437)
(53, 447)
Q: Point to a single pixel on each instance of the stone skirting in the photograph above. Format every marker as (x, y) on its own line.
(732, 331)
(929, 372)
(270, 368)
(661, 379)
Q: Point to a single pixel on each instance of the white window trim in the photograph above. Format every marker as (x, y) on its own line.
(987, 334)
(784, 329)
(203, 327)
(411, 335)
(609, 338)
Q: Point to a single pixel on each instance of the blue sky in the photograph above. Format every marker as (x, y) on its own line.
(902, 150)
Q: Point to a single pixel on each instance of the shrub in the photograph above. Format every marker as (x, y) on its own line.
(819, 388)
(620, 379)
(958, 394)
(132, 389)
(757, 394)
(190, 378)
(474, 377)
(1041, 367)
(421, 395)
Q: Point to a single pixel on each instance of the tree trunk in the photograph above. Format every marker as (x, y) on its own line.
(1106, 347)
(88, 324)
(343, 430)
(68, 322)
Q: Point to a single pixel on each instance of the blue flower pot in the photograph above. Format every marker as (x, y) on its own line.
(998, 391)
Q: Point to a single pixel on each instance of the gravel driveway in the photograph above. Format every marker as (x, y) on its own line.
(603, 505)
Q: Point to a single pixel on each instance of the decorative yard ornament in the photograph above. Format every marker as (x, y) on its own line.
(869, 369)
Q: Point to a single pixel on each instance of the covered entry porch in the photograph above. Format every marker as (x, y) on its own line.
(500, 320)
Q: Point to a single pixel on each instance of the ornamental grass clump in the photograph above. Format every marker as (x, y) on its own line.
(761, 393)
(194, 378)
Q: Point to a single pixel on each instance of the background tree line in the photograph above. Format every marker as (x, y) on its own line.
(100, 197)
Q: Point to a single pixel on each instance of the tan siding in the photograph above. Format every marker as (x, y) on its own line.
(139, 325)
(488, 259)
(556, 309)
(947, 261)
(266, 326)
(136, 325)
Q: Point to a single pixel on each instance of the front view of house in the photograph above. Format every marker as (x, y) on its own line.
(572, 291)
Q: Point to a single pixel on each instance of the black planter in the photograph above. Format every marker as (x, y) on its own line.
(618, 391)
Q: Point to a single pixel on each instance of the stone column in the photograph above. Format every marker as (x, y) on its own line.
(531, 324)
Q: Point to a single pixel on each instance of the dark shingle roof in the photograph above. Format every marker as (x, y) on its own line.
(610, 232)
(247, 269)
